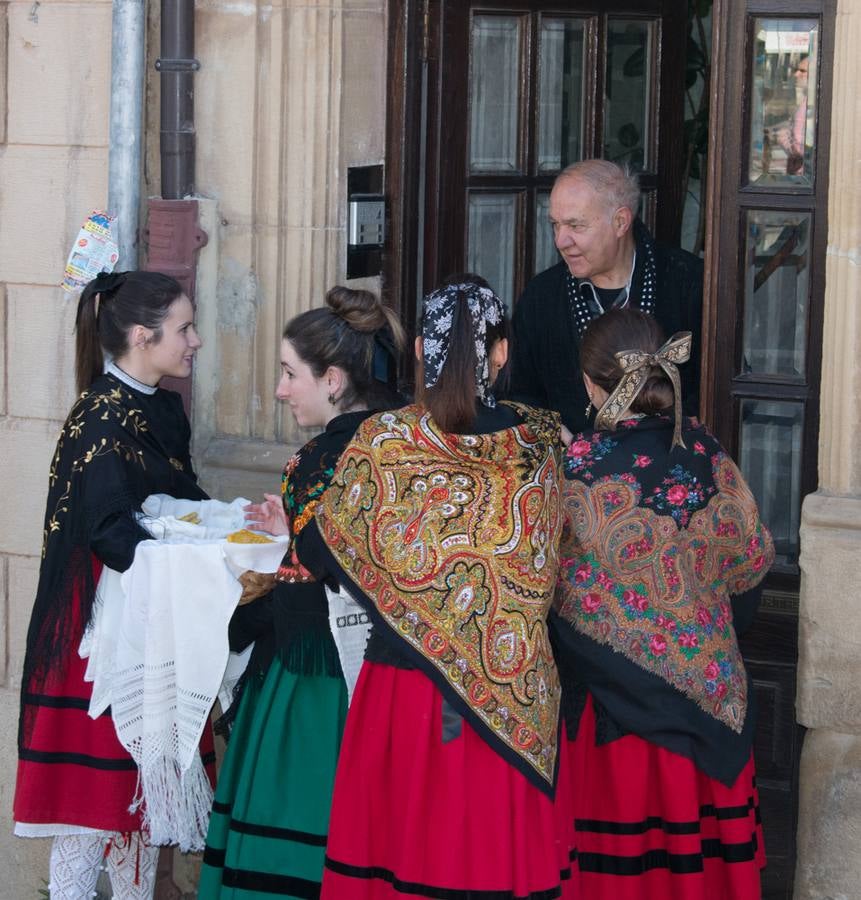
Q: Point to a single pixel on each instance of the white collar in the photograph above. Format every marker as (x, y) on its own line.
(125, 378)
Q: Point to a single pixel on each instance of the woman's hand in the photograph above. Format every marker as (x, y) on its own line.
(267, 516)
(566, 436)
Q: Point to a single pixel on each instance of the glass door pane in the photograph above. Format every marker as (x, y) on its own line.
(546, 254)
(561, 93)
(628, 92)
(776, 293)
(494, 223)
(771, 436)
(783, 102)
(494, 93)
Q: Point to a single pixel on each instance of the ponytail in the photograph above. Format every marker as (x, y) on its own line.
(452, 377)
(451, 401)
(89, 357)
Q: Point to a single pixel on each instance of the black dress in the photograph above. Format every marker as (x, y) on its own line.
(118, 446)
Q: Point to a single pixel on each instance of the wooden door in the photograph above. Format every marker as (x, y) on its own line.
(764, 295)
(489, 101)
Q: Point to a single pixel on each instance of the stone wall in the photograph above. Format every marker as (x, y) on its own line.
(54, 89)
(289, 95)
(829, 669)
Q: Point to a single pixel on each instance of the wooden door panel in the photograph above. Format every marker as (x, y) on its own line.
(770, 650)
(763, 302)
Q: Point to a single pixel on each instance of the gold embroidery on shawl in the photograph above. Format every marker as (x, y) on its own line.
(455, 540)
(107, 406)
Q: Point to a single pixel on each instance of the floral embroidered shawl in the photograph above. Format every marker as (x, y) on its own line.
(116, 447)
(452, 543)
(655, 544)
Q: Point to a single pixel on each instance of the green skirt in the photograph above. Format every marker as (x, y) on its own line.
(270, 818)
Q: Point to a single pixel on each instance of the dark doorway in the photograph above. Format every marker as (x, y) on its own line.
(489, 101)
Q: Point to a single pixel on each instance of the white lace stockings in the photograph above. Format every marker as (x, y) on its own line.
(77, 859)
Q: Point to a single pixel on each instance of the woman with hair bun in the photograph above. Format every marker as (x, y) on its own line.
(124, 439)
(269, 825)
(662, 555)
(442, 519)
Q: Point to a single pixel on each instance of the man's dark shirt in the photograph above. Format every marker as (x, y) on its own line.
(546, 352)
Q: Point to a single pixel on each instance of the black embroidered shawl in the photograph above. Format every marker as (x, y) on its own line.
(293, 620)
(118, 446)
(657, 543)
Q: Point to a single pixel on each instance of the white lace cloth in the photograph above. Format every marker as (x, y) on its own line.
(350, 627)
(158, 649)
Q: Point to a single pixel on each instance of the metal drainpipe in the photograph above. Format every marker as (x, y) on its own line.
(177, 66)
(128, 26)
(173, 234)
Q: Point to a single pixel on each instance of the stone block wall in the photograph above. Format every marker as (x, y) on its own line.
(829, 664)
(54, 89)
(289, 95)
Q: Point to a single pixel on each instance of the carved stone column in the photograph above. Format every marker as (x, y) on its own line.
(829, 666)
(291, 93)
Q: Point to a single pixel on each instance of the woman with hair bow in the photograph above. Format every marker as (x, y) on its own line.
(442, 520)
(662, 553)
(124, 439)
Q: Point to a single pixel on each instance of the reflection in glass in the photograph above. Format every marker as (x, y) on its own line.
(491, 243)
(493, 94)
(776, 290)
(783, 101)
(560, 93)
(630, 68)
(545, 250)
(770, 459)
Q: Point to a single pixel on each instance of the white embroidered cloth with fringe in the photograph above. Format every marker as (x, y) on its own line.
(158, 649)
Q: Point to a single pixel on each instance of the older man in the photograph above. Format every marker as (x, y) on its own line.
(609, 260)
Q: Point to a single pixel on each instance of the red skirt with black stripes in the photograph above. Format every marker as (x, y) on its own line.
(72, 770)
(415, 816)
(648, 825)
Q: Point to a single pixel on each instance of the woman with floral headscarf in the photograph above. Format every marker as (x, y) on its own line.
(662, 550)
(442, 520)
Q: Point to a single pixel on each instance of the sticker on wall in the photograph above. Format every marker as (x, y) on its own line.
(95, 250)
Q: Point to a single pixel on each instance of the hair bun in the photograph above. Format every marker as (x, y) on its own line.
(360, 309)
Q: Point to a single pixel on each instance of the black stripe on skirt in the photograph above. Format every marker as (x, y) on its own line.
(415, 889)
(677, 863)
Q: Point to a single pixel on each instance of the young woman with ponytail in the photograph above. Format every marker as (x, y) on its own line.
(270, 819)
(125, 438)
(442, 519)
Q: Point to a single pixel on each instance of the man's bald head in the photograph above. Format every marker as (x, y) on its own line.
(616, 186)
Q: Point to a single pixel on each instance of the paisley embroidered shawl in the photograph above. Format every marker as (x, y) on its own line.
(453, 542)
(653, 549)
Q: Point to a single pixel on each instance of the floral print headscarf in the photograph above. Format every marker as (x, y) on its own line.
(440, 309)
